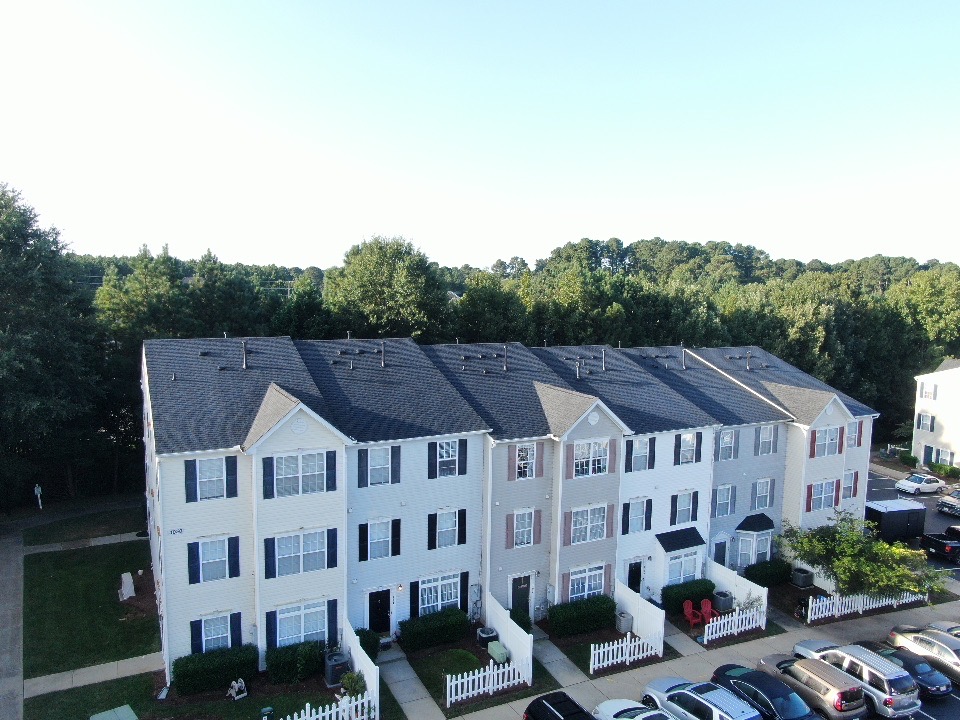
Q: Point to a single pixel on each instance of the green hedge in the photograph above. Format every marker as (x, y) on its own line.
(696, 590)
(768, 573)
(522, 618)
(947, 471)
(582, 616)
(215, 670)
(908, 459)
(446, 626)
(295, 663)
(370, 642)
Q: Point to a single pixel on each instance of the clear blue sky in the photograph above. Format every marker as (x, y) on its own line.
(287, 132)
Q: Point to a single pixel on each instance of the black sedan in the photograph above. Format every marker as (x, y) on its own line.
(772, 698)
(932, 682)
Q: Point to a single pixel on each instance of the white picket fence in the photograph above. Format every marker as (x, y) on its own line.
(484, 681)
(838, 605)
(734, 623)
(627, 649)
(358, 708)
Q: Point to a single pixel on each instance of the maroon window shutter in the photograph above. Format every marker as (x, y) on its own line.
(813, 442)
(608, 579)
(567, 526)
(836, 493)
(809, 498)
(840, 439)
(511, 462)
(537, 523)
(856, 481)
(565, 587)
(612, 457)
(859, 433)
(611, 509)
(509, 543)
(568, 470)
(538, 468)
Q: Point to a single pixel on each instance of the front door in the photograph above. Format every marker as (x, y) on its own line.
(520, 593)
(720, 553)
(635, 576)
(927, 454)
(380, 611)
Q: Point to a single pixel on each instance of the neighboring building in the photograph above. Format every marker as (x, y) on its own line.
(936, 426)
(293, 485)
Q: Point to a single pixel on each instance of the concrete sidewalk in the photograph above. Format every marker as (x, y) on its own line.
(84, 543)
(93, 674)
(414, 698)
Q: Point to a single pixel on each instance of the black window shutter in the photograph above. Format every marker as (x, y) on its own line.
(333, 631)
(652, 454)
(269, 558)
(462, 457)
(236, 631)
(415, 599)
(648, 515)
(933, 423)
(190, 479)
(431, 460)
(362, 468)
(462, 526)
(464, 591)
(756, 441)
(716, 445)
(267, 478)
(193, 563)
(713, 502)
(736, 444)
(432, 531)
(331, 547)
(696, 457)
(196, 637)
(362, 543)
(673, 509)
(271, 629)
(394, 464)
(625, 519)
(693, 509)
(676, 449)
(331, 470)
(628, 467)
(233, 556)
(395, 536)
(231, 466)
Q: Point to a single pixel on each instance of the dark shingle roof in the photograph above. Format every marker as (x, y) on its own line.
(198, 406)
(680, 539)
(948, 364)
(407, 398)
(758, 522)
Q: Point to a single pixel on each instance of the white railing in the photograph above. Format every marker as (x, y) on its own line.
(739, 621)
(484, 681)
(517, 641)
(838, 605)
(361, 662)
(648, 619)
(358, 708)
(627, 649)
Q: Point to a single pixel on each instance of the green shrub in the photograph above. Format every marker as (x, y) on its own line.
(947, 471)
(353, 684)
(370, 642)
(696, 590)
(446, 626)
(909, 460)
(295, 663)
(582, 616)
(215, 670)
(768, 573)
(522, 618)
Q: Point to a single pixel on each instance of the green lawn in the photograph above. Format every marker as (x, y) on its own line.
(579, 653)
(108, 522)
(71, 615)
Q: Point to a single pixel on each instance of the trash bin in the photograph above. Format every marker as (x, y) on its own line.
(624, 622)
(337, 665)
(723, 600)
(486, 635)
(266, 713)
(801, 577)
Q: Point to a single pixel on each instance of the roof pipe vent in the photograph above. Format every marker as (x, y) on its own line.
(173, 377)
(603, 359)
(383, 354)
(748, 360)
(683, 357)
(351, 364)
(348, 334)
(578, 369)
(243, 349)
(504, 358)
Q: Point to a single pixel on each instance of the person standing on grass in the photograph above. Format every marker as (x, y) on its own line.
(36, 491)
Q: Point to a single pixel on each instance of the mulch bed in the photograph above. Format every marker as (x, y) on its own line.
(599, 637)
(468, 643)
(786, 596)
(144, 603)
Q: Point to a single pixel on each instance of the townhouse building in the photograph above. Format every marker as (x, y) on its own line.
(936, 433)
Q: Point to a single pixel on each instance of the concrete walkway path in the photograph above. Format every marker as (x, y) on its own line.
(414, 698)
(86, 542)
(93, 674)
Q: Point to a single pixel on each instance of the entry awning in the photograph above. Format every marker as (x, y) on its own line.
(680, 539)
(758, 522)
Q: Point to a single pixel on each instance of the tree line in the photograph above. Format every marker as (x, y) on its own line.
(72, 326)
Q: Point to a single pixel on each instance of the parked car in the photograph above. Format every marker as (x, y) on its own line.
(773, 699)
(949, 504)
(830, 692)
(942, 546)
(628, 710)
(696, 701)
(556, 706)
(889, 690)
(951, 628)
(916, 483)
(932, 683)
(941, 649)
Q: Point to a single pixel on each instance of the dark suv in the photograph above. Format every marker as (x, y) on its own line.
(556, 706)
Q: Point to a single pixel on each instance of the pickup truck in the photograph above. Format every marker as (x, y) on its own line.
(942, 546)
(949, 504)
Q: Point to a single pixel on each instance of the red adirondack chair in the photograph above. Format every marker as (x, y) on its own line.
(707, 611)
(693, 616)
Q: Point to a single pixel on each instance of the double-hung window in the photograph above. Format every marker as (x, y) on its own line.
(746, 551)
(724, 493)
(447, 458)
(379, 539)
(638, 516)
(446, 529)
(853, 434)
(301, 553)
(586, 582)
(213, 560)
(766, 440)
(589, 524)
(763, 494)
(441, 592)
(211, 479)
(526, 460)
(763, 548)
(641, 455)
(299, 474)
(302, 623)
(827, 442)
(823, 495)
(846, 490)
(924, 422)
(754, 548)
(684, 507)
(943, 456)
(688, 448)
(590, 458)
(928, 391)
(682, 568)
(378, 466)
(523, 528)
(216, 633)
(727, 438)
